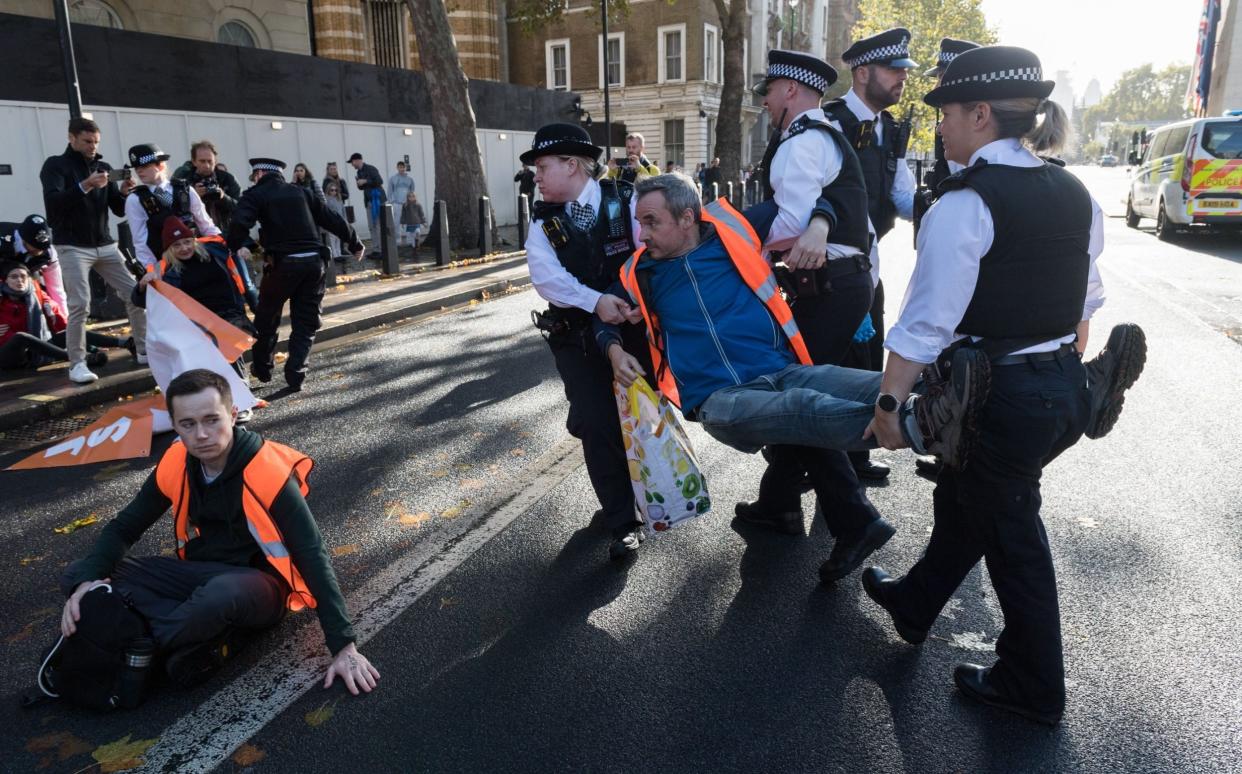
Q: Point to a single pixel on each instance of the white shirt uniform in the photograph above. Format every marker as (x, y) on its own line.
(802, 166)
(904, 185)
(956, 233)
(137, 218)
(551, 279)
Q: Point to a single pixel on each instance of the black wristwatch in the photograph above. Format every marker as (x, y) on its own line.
(887, 402)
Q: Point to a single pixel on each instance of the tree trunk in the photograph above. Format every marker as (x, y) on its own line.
(734, 25)
(459, 161)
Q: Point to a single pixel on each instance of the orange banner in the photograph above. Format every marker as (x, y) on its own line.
(231, 341)
(122, 433)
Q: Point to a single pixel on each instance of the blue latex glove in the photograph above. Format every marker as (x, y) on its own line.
(865, 331)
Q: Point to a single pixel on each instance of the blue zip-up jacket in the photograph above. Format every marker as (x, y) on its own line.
(716, 331)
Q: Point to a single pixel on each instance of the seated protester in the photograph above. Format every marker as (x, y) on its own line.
(32, 326)
(223, 585)
(30, 242)
(736, 362)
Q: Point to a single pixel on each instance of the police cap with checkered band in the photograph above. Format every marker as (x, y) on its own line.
(808, 70)
(890, 48)
(991, 72)
(146, 153)
(561, 140)
(950, 49)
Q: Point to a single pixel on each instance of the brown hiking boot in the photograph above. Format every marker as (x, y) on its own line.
(1111, 373)
(946, 415)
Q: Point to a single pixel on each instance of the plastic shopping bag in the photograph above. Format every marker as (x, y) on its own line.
(668, 485)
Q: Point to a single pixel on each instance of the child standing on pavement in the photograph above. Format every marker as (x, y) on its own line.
(413, 218)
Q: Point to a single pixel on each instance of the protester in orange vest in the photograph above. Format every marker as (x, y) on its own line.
(248, 548)
(726, 349)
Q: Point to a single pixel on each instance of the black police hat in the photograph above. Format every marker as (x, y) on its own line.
(561, 140)
(991, 72)
(35, 231)
(267, 165)
(890, 47)
(146, 153)
(949, 50)
(810, 71)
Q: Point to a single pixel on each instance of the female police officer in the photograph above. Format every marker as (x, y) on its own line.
(583, 232)
(1006, 263)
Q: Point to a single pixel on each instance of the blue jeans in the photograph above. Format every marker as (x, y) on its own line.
(824, 406)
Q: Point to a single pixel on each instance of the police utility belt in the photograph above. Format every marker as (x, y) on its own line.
(998, 352)
(805, 283)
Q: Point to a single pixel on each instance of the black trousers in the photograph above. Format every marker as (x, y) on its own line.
(828, 323)
(869, 355)
(238, 319)
(301, 283)
(191, 602)
(1034, 412)
(593, 419)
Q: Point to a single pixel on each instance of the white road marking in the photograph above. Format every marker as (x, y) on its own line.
(206, 737)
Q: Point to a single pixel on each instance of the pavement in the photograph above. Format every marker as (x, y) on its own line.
(457, 512)
(362, 299)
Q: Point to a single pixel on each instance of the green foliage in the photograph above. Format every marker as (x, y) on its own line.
(534, 15)
(1143, 94)
(928, 22)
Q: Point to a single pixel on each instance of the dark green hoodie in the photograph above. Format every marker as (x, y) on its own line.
(216, 509)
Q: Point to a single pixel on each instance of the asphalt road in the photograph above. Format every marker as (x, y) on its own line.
(458, 512)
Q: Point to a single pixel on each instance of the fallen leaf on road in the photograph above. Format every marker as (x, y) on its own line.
(317, 717)
(248, 755)
(455, 511)
(337, 375)
(60, 745)
(1088, 522)
(439, 473)
(447, 602)
(523, 434)
(415, 519)
(478, 435)
(76, 524)
(352, 548)
(122, 755)
(461, 467)
(472, 483)
(110, 472)
(26, 561)
(24, 634)
(442, 456)
(517, 452)
(377, 491)
(281, 357)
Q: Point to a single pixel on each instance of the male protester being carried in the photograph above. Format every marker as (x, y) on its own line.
(828, 287)
(726, 350)
(78, 192)
(247, 544)
(157, 199)
(878, 69)
(637, 166)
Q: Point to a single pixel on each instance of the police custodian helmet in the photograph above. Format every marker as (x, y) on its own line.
(991, 72)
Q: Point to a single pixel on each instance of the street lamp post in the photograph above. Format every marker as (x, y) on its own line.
(603, 13)
(61, 7)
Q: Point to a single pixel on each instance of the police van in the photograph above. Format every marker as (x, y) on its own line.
(1190, 175)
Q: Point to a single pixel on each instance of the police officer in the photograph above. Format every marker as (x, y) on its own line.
(1006, 264)
(878, 68)
(584, 231)
(290, 218)
(30, 244)
(929, 189)
(158, 198)
(827, 277)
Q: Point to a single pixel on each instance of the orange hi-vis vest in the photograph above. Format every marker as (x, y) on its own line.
(263, 478)
(228, 264)
(742, 245)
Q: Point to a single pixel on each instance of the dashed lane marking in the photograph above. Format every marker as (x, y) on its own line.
(203, 739)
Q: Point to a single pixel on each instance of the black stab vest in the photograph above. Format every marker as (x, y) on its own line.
(878, 161)
(1033, 281)
(157, 213)
(847, 193)
(593, 257)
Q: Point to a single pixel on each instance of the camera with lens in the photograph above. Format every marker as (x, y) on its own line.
(211, 188)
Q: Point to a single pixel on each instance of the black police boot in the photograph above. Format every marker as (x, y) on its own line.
(928, 465)
(787, 522)
(869, 470)
(974, 681)
(880, 588)
(850, 552)
(261, 373)
(1111, 373)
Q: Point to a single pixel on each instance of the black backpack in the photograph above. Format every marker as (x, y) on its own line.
(105, 663)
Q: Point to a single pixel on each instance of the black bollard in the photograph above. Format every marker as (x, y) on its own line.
(523, 219)
(390, 262)
(443, 253)
(485, 226)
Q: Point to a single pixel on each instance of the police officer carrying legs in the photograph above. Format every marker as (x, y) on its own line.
(290, 217)
(809, 169)
(878, 67)
(585, 231)
(1006, 264)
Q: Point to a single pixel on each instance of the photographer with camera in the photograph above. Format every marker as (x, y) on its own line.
(218, 189)
(78, 190)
